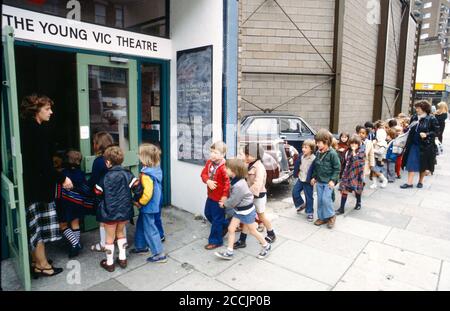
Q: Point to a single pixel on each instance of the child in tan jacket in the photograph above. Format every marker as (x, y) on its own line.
(256, 181)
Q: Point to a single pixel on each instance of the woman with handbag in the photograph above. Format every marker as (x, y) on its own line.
(420, 153)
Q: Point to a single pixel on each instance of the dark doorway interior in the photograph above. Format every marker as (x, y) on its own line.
(51, 73)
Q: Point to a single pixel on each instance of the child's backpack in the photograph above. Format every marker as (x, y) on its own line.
(399, 143)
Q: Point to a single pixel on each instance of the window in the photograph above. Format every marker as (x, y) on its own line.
(119, 16)
(100, 14)
(290, 126)
(426, 15)
(424, 36)
(427, 5)
(263, 126)
(426, 26)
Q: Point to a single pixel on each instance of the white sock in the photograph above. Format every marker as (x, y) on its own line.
(109, 254)
(121, 244)
(102, 236)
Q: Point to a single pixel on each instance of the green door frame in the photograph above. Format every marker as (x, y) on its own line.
(83, 62)
(12, 189)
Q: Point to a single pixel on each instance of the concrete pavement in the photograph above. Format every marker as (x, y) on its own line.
(399, 240)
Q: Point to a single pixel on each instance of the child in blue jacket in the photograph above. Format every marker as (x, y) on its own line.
(303, 169)
(147, 234)
(391, 157)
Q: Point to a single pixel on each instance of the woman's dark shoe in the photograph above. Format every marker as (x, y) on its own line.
(358, 206)
(340, 211)
(104, 265)
(40, 272)
(239, 244)
(420, 185)
(406, 186)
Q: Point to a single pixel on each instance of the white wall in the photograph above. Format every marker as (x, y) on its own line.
(194, 23)
(430, 69)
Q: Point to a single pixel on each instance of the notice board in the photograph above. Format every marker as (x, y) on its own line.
(194, 104)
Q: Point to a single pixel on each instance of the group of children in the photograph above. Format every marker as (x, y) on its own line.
(236, 187)
(111, 194)
(374, 152)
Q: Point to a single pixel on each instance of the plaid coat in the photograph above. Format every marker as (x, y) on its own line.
(353, 173)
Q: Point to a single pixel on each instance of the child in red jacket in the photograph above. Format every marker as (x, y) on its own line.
(214, 175)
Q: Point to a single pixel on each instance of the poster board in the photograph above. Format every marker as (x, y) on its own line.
(194, 104)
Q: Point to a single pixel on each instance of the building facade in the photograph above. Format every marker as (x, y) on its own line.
(325, 60)
(157, 71)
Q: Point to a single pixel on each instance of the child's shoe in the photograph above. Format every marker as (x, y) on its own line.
(227, 255)
(340, 211)
(122, 263)
(74, 251)
(301, 208)
(358, 206)
(384, 181)
(260, 227)
(159, 258)
(270, 238)
(373, 185)
(310, 217)
(239, 244)
(265, 251)
(104, 265)
(163, 239)
(331, 222)
(143, 251)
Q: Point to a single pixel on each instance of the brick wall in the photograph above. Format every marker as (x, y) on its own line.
(271, 43)
(358, 66)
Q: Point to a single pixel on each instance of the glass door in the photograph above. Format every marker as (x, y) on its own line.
(12, 180)
(107, 101)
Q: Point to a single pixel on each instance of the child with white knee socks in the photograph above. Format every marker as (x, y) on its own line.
(116, 189)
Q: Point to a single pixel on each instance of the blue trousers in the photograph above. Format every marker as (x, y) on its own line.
(298, 200)
(147, 234)
(158, 223)
(216, 216)
(325, 207)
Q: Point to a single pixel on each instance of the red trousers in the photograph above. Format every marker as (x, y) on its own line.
(398, 165)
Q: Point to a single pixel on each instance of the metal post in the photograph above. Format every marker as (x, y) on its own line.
(381, 59)
(401, 64)
(337, 65)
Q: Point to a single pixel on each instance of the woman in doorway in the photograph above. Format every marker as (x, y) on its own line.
(441, 116)
(40, 179)
(420, 155)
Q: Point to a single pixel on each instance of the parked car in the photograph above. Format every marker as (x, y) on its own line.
(275, 159)
(281, 136)
(293, 129)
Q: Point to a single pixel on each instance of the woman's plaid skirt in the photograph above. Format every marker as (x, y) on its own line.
(42, 223)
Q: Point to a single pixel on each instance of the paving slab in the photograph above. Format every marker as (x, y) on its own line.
(153, 276)
(362, 228)
(419, 243)
(253, 247)
(9, 278)
(204, 260)
(311, 262)
(252, 274)
(339, 243)
(428, 213)
(444, 280)
(384, 263)
(197, 281)
(383, 217)
(110, 285)
(437, 229)
(297, 230)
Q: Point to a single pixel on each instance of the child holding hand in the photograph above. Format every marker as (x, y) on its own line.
(214, 175)
(241, 199)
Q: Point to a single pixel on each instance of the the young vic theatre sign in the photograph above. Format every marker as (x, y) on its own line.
(48, 29)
